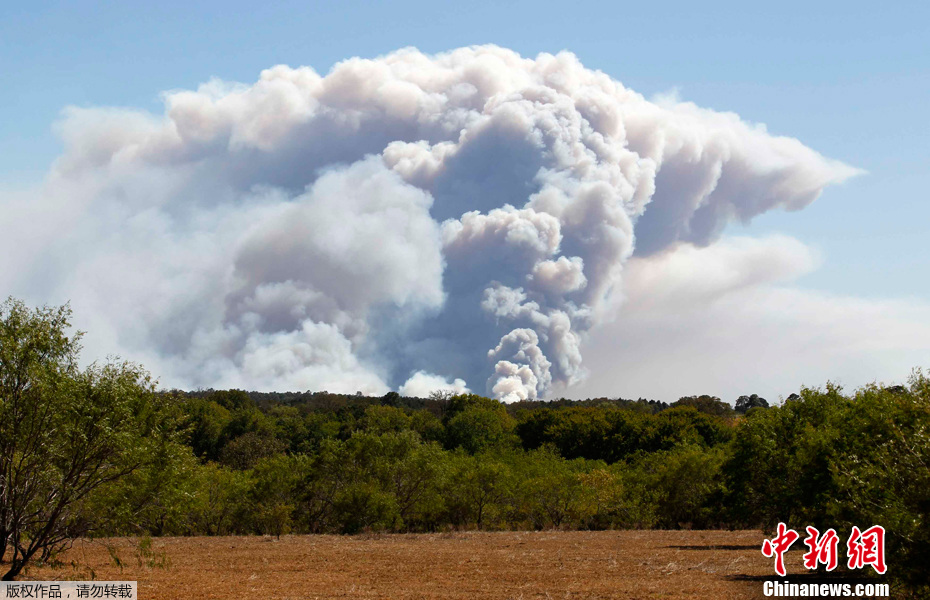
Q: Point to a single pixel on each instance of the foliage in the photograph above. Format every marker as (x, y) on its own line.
(476, 490)
(831, 460)
(883, 472)
(246, 450)
(745, 403)
(710, 405)
(614, 434)
(779, 466)
(220, 501)
(612, 497)
(155, 500)
(683, 482)
(64, 432)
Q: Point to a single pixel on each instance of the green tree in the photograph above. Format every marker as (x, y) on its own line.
(549, 488)
(745, 403)
(428, 426)
(207, 422)
(301, 432)
(391, 480)
(64, 432)
(384, 419)
(610, 497)
(245, 451)
(582, 432)
(883, 473)
(274, 492)
(476, 424)
(684, 483)
(406, 468)
(779, 467)
(232, 399)
(363, 505)
(477, 489)
(154, 500)
(710, 405)
(220, 500)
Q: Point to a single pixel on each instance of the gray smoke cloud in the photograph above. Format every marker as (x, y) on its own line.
(408, 222)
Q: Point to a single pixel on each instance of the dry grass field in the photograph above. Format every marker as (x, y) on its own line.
(606, 564)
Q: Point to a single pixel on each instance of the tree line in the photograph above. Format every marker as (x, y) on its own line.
(220, 462)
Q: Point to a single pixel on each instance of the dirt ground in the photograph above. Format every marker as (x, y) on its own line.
(517, 565)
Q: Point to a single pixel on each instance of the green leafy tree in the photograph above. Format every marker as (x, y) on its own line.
(745, 403)
(408, 469)
(611, 498)
(684, 483)
(64, 432)
(154, 500)
(883, 474)
(274, 492)
(389, 479)
(220, 501)
(207, 424)
(245, 451)
(232, 399)
(779, 467)
(548, 487)
(710, 405)
(682, 425)
(476, 424)
(428, 425)
(582, 432)
(363, 505)
(384, 419)
(477, 489)
(301, 432)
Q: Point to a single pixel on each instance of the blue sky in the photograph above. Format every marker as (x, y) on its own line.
(849, 79)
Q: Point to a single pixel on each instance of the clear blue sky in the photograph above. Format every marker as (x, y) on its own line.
(849, 79)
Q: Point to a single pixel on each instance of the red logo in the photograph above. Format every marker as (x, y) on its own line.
(822, 549)
(778, 545)
(867, 548)
(863, 548)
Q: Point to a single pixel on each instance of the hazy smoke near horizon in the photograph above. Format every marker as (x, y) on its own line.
(407, 222)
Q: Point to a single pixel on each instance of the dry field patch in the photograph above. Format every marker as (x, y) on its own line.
(517, 565)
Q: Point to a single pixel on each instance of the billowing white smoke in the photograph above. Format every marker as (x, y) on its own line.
(422, 385)
(398, 223)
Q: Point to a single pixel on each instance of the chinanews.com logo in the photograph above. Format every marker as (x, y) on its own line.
(863, 549)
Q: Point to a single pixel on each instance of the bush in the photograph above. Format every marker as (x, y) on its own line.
(65, 433)
(883, 473)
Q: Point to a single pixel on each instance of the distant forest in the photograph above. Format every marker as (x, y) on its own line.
(276, 463)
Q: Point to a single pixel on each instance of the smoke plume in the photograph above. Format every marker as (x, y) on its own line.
(410, 222)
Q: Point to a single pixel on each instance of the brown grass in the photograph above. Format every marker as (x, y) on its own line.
(605, 564)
